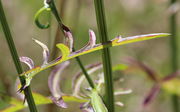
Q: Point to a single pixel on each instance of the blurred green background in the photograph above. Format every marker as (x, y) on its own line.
(124, 17)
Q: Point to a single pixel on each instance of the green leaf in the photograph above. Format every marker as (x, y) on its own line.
(67, 98)
(40, 99)
(66, 55)
(119, 67)
(97, 102)
(16, 105)
(36, 19)
(172, 86)
(64, 50)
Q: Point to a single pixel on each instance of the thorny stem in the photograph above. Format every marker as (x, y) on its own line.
(62, 26)
(101, 22)
(12, 48)
(174, 53)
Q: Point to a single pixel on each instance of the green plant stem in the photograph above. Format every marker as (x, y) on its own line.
(79, 3)
(55, 12)
(101, 22)
(174, 54)
(27, 91)
(84, 71)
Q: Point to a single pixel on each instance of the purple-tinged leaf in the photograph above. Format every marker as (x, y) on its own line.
(66, 55)
(88, 109)
(59, 102)
(92, 39)
(45, 52)
(149, 71)
(171, 76)
(152, 94)
(53, 83)
(137, 38)
(90, 44)
(69, 40)
(27, 61)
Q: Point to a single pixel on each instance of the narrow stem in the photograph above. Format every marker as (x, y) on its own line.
(55, 12)
(174, 54)
(78, 59)
(85, 72)
(101, 22)
(12, 48)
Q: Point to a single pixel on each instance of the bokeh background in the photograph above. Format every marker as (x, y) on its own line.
(124, 17)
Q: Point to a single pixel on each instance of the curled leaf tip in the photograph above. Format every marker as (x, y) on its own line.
(42, 26)
(45, 51)
(92, 40)
(69, 40)
(59, 102)
(91, 43)
(27, 61)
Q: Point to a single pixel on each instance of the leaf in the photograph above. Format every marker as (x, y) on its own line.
(69, 40)
(97, 102)
(36, 19)
(40, 99)
(45, 52)
(54, 84)
(64, 50)
(138, 38)
(70, 98)
(119, 67)
(16, 105)
(66, 55)
(172, 86)
(28, 61)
